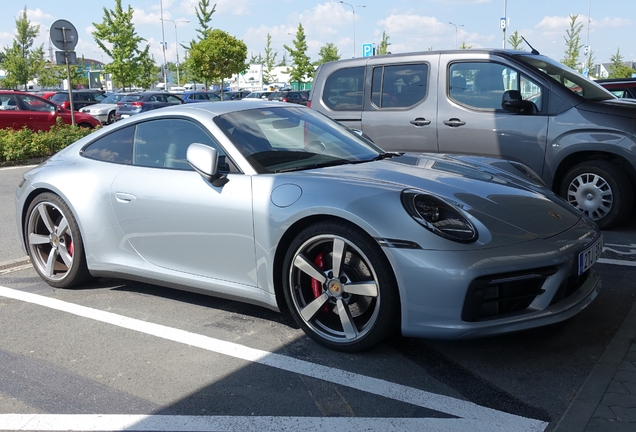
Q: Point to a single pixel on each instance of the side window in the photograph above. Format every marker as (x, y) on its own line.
(8, 102)
(481, 85)
(115, 147)
(399, 86)
(35, 104)
(173, 99)
(343, 89)
(164, 143)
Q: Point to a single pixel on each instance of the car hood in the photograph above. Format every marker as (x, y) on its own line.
(496, 188)
(621, 107)
(97, 107)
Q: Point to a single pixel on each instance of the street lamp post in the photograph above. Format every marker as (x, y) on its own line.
(354, 23)
(456, 25)
(163, 45)
(176, 39)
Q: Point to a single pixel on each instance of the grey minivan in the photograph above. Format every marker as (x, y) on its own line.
(578, 137)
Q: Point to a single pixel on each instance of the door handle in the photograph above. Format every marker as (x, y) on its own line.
(420, 121)
(124, 197)
(454, 122)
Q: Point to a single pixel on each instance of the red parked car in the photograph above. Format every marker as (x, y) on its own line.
(19, 109)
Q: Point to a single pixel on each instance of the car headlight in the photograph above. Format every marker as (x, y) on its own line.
(438, 216)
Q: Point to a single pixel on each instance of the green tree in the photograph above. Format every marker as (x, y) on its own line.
(21, 61)
(283, 61)
(204, 15)
(269, 61)
(256, 59)
(516, 41)
(464, 46)
(116, 36)
(301, 68)
(617, 69)
(327, 53)
(217, 56)
(51, 75)
(383, 48)
(573, 43)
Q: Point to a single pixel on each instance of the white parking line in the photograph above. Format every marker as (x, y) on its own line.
(98, 422)
(616, 262)
(473, 417)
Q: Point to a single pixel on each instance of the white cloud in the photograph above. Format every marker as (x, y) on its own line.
(230, 7)
(414, 24)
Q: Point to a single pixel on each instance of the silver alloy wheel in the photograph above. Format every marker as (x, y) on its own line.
(346, 307)
(50, 241)
(591, 194)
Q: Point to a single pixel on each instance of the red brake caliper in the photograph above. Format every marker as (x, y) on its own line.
(70, 248)
(316, 286)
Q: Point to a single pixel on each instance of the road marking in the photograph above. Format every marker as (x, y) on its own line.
(472, 416)
(616, 262)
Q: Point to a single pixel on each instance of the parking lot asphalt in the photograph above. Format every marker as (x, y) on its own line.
(606, 401)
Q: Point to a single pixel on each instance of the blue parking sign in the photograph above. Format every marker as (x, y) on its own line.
(367, 50)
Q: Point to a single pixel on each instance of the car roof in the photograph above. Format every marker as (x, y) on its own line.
(215, 109)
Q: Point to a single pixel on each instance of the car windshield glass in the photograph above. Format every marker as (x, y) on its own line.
(132, 98)
(114, 98)
(58, 97)
(291, 139)
(571, 79)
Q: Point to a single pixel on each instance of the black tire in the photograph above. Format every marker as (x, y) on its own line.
(54, 242)
(600, 190)
(111, 117)
(352, 311)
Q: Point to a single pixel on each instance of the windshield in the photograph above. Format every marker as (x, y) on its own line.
(132, 98)
(571, 79)
(291, 139)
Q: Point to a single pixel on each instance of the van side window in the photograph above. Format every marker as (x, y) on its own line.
(343, 89)
(482, 85)
(399, 86)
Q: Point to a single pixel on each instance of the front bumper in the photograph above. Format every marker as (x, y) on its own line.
(437, 287)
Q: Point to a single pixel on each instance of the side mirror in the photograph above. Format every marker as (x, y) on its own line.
(204, 159)
(513, 101)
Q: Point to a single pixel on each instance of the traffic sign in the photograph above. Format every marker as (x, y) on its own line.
(502, 23)
(367, 50)
(63, 35)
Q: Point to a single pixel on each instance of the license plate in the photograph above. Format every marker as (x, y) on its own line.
(589, 256)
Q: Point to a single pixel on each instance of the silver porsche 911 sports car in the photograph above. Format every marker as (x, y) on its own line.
(279, 206)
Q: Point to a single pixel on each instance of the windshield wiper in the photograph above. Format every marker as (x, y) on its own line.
(312, 166)
(387, 155)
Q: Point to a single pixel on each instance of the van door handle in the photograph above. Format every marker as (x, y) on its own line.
(454, 122)
(420, 121)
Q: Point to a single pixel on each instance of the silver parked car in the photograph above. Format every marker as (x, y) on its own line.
(514, 105)
(279, 206)
(105, 110)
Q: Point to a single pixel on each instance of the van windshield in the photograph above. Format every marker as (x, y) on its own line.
(574, 81)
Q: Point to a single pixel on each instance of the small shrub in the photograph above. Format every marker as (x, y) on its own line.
(24, 144)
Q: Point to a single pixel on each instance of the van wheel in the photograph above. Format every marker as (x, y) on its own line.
(600, 190)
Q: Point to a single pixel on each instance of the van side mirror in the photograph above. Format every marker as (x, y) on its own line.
(513, 101)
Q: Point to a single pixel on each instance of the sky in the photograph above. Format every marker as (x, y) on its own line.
(412, 25)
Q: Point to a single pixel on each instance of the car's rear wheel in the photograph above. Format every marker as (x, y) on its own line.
(340, 287)
(111, 117)
(600, 190)
(54, 242)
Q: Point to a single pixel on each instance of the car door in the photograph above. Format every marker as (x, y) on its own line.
(36, 113)
(400, 111)
(471, 119)
(175, 219)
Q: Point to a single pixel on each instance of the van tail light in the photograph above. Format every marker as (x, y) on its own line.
(309, 104)
(118, 103)
(284, 99)
(137, 104)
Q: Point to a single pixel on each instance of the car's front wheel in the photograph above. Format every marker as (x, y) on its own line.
(111, 117)
(340, 287)
(54, 242)
(600, 190)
